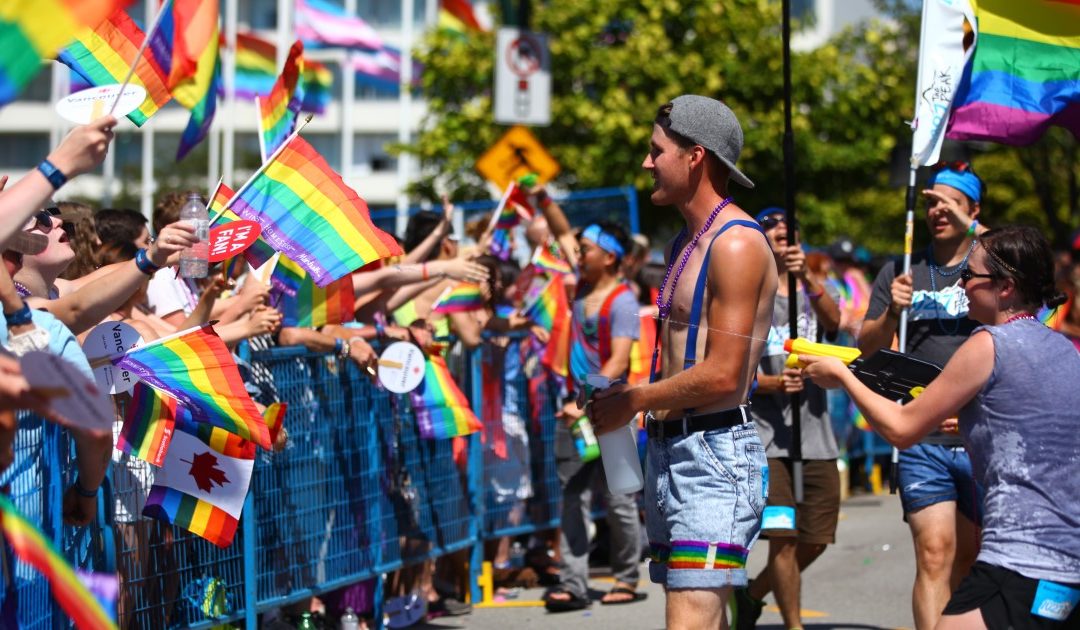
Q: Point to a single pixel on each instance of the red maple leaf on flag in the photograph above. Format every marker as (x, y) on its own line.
(204, 470)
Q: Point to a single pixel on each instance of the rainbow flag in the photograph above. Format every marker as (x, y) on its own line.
(442, 411)
(196, 368)
(278, 110)
(274, 416)
(324, 24)
(203, 482)
(202, 114)
(33, 30)
(195, 42)
(256, 72)
(149, 422)
(1024, 75)
(557, 354)
(548, 259)
(287, 278)
(464, 296)
(1053, 317)
(456, 16)
(34, 549)
(308, 214)
(543, 308)
(260, 251)
(313, 306)
(104, 54)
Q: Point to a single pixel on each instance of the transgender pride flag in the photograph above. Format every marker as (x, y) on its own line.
(321, 24)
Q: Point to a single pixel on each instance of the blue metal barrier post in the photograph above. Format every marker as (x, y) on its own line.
(251, 574)
(476, 479)
(632, 208)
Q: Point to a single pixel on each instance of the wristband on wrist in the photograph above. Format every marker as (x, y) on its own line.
(813, 296)
(19, 317)
(143, 262)
(971, 228)
(53, 174)
(423, 271)
(83, 492)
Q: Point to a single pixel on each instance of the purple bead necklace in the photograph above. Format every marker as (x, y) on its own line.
(665, 307)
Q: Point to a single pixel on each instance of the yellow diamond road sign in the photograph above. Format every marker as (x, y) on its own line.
(516, 154)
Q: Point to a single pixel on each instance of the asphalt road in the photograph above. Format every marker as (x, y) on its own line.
(863, 582)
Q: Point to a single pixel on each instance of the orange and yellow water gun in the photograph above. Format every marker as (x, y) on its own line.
(887, 372)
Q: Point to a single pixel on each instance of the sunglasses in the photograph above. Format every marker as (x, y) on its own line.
(966, 275)
(959, 166)
(43, 220)
(774, 220)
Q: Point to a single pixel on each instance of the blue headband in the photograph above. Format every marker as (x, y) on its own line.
(966, 182)
(603, 240)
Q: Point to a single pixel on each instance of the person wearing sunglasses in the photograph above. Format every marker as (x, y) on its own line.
(940, 498)
(797, 532)
(1013, 383)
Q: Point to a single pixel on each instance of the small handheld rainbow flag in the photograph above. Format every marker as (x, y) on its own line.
(279, 109)
(196, 368)
(275, 418)
(149, 421)
(465, 296)
(34, 549)
(547, 258)
(544, 309)
(442, 411)
(557, 354)
(312, 306)
(256, 71)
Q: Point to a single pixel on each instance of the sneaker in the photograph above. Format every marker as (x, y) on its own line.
(449, 606)
(747, 610)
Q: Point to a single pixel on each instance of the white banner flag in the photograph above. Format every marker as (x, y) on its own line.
(942, 58)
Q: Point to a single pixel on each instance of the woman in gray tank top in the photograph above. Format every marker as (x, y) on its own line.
(1014, 386)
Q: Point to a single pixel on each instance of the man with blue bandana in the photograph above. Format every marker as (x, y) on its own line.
(941, 501)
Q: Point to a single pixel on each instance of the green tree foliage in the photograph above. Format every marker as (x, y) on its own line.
(614, 62)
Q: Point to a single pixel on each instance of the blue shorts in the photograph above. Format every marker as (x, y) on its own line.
(704, 494)
(933, 473)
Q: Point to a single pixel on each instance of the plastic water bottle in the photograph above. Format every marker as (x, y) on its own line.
(195, 259)
(517, 555)
(585, 440)
(349, 621)
(618, 451)
(307, 622)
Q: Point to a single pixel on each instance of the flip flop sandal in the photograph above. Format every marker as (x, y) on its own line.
(565, 605)
(622, 590)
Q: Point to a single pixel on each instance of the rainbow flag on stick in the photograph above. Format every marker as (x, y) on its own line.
(1024, 75)
(278, 110)
(256, 72)
(33, 30)
(543, 306)
(312, 306)
(547, 258)
(557, 354)
(275, 418)
(308, 214)
(442, 411)
(149, 421)
(34, 549)
(203, 482)
(465, 296)
(104, 54)
(196, 368)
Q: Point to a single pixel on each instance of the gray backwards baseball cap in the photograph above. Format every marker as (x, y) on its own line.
(710, 123)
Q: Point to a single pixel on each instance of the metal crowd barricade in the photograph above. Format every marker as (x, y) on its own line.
(355, 494)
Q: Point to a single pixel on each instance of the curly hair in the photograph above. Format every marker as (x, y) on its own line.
(78, 222)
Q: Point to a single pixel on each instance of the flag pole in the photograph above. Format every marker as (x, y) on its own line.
(795, 450)
(165, 6)
(262, 168)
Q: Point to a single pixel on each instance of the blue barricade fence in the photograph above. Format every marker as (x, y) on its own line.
(355, 494)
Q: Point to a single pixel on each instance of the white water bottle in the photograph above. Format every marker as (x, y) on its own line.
(350, 621)
(194, 260)
(618, 451)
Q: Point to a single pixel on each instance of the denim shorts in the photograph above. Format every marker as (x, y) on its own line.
(704, 494)
(934, 473)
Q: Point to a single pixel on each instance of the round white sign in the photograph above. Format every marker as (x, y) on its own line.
(86, 106)
(75, 399)
(401, 367)
(104, 341)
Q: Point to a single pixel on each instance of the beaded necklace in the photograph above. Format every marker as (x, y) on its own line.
(934, 270)
(665, 307)
(1018, 316)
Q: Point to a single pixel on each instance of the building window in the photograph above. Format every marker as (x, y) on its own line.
(23, 151)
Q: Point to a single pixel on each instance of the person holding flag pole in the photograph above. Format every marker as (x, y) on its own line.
(924, 305)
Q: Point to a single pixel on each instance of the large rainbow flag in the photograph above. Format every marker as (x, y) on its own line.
(1024, 75)
(34, 549)
(313, 306)
(196, 368)
(195, 42)
(256, 72)
(308, 214)
(278, 110)
(32, 30)
(462, 297)
(203, 482)
(442, 411)
(104, 54)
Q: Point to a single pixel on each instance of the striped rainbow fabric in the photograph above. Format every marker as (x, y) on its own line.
(456, 16)
(34, 549)
(104, 54)
(287, 278)
(256, 71)
(320, 23)
(464, 296)
(544, 309)
(274, 415)
(557, 354)
(442, 411)
(1024, 75)
(548, 259)
(196, 368)
(32, 30)
(196, 39)
(149, 422)
(308, 214)
(315, 306)
(260, 251)
(202, 114)
(278, 110)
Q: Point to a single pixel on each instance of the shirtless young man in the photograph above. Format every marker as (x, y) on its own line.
(706, 479)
